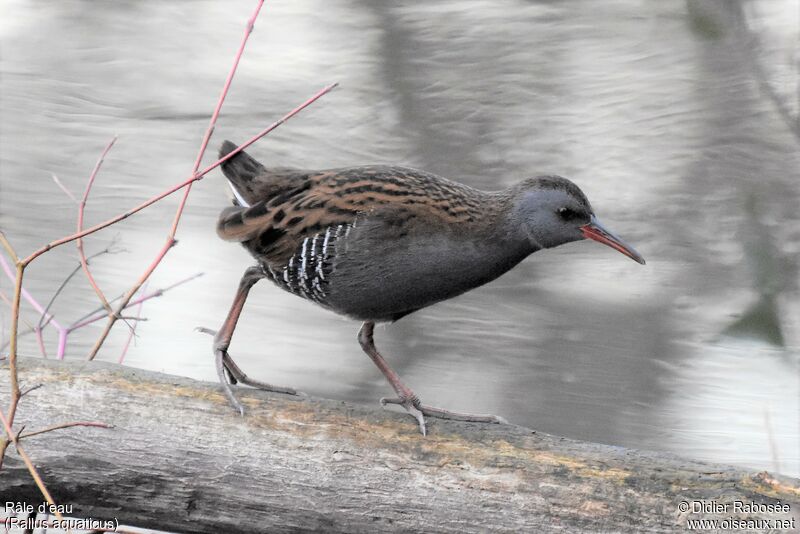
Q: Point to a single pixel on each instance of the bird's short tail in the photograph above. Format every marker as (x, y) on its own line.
(240, 170)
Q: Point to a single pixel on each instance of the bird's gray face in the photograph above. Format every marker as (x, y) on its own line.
(553, 216)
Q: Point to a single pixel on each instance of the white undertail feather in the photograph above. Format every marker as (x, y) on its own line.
(242, 202)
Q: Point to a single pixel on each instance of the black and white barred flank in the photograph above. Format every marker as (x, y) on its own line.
(307, 272)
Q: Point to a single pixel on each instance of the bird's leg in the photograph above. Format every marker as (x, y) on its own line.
(227, 370)
(405, 396)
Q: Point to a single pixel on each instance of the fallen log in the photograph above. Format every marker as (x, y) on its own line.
(179, 459)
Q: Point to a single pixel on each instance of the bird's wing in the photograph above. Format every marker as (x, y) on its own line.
(396, 200)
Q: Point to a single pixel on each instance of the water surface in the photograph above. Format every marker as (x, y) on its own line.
(654, 108)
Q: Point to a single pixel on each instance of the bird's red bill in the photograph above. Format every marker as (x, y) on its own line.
(594, 230)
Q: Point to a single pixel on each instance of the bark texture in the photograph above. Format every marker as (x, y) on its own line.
(179, 459)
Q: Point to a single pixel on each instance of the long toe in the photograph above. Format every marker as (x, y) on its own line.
(264, 386)
(440, 413)
(237, 375)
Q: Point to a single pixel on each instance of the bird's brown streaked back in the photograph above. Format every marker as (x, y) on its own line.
(288, 206)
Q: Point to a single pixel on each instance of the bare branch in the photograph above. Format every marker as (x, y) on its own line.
(133, 330)
(7, 245)
(79, 241)
(42, 321)
(96, 424)
(64, 188)
(28, 390)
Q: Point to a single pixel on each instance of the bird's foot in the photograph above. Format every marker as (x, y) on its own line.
(414, 407)
(229, 374)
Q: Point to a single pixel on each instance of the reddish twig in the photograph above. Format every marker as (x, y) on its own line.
(28, 297)
(79, 241)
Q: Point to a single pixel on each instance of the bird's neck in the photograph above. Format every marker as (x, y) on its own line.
(504, 224)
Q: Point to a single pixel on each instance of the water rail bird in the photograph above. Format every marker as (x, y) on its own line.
(376, 243)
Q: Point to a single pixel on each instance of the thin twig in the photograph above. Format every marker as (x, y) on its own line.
(93, 312)
(96, 424)
(28, 390)
(132, 332)
(64, 188)
(79, 241)
(7, 245)
(40, 342)
(42, 321)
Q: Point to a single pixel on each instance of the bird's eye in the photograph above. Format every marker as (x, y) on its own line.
(567, 214)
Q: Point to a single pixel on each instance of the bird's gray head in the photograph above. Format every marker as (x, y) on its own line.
(552, 211)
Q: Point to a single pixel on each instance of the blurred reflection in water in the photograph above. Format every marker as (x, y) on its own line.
(656, 110)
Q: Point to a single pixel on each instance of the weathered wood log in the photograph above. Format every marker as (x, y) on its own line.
(179, 459)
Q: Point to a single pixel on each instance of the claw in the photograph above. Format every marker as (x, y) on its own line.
(411, 407)
(223, 374)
